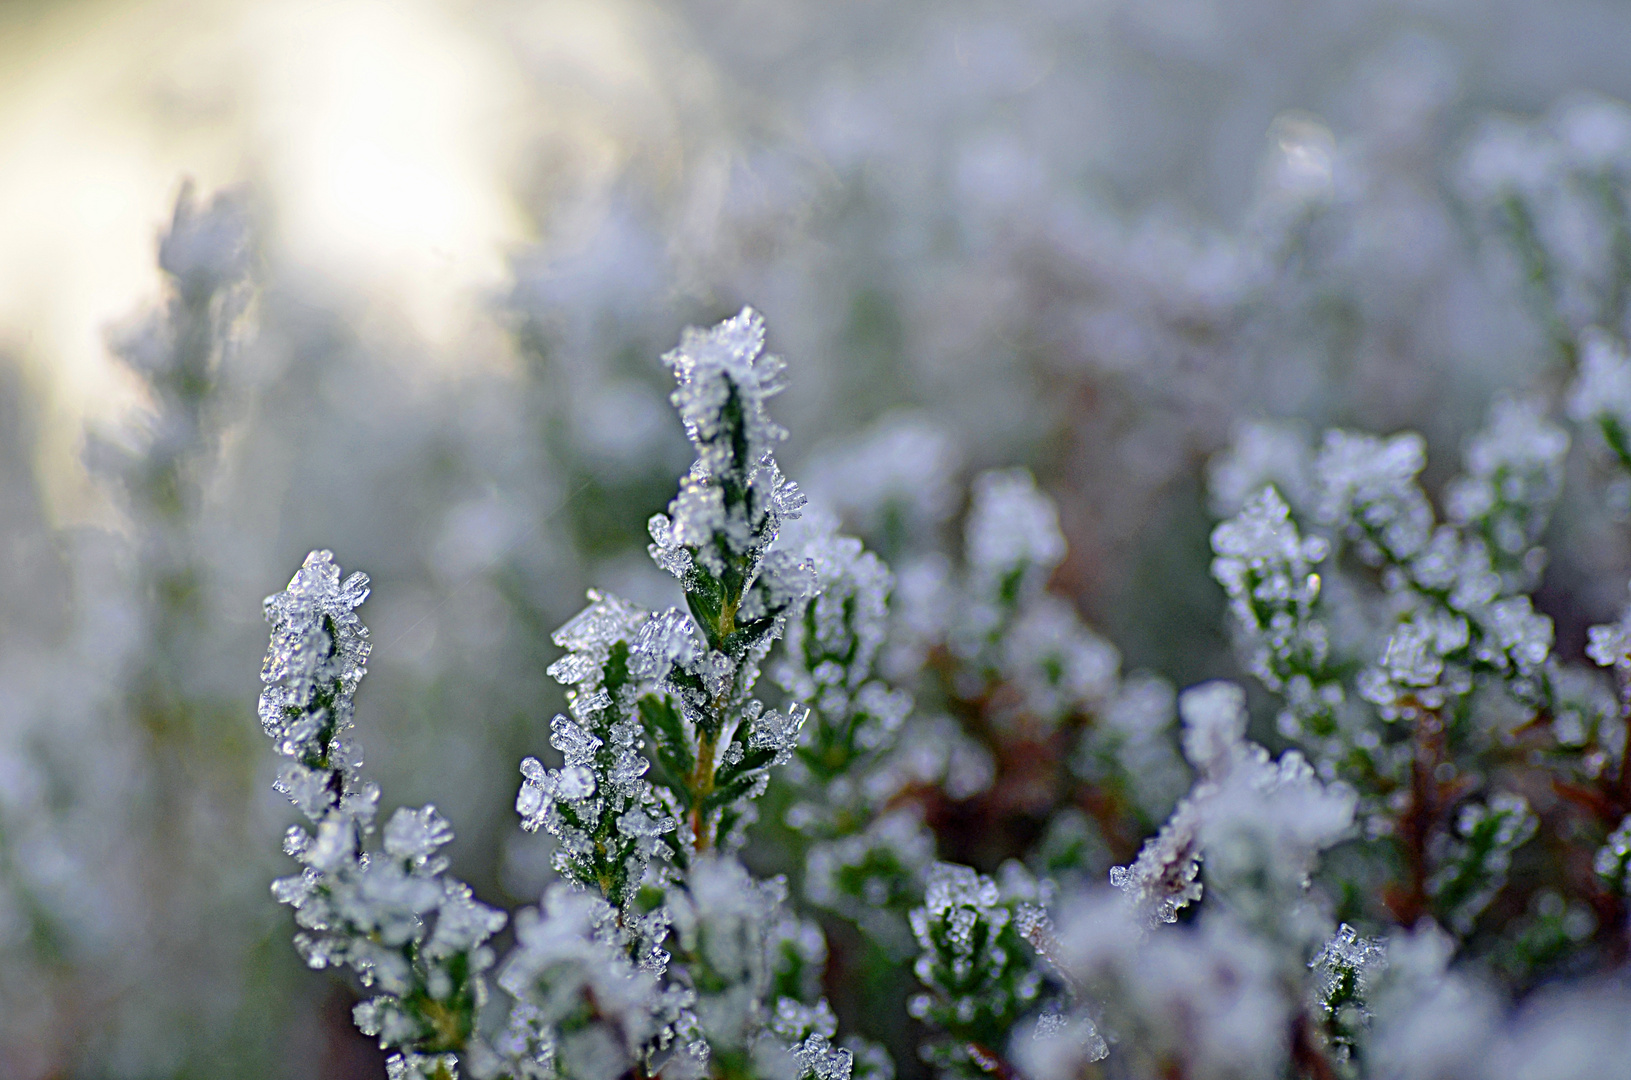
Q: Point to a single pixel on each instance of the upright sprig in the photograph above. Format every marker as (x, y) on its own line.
(829, 662)
(1266, 568)
(665, 749)
(413, 934)
(181, 352)
(979, 972)
(713, 741)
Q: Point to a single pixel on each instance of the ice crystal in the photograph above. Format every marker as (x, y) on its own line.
(1347, 965)
(820, 1060)
(1057, 1045)
(1164, 879)
(413, 835)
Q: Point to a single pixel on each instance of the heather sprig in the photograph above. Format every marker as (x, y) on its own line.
(665, 749)
(413, 934)
(979, 973)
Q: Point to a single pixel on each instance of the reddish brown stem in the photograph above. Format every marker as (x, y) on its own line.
(1306, 1056)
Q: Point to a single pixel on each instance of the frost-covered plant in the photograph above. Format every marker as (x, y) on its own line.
(1435, 813)
(1418, 686)
(657, 951)
(414, 936)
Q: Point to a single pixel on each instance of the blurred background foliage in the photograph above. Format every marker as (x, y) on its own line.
(1092, 237)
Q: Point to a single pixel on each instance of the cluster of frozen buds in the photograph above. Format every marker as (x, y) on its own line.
(1454, 592)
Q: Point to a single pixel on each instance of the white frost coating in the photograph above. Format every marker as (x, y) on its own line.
(778, 732)
(1164, 879)
(316, 613)
(1012, 528)
(848, 616)
(1575, 1033)
(1214, 716)
(389, 916)
(414, 835)
(1262, 538)
(1367, 487)
(733, 501)
(1262, 454)
(1253, 819)
(819, 1059)
(1261, 832)
(667, 639)
(898, 847)
(567, 960)
(1475, 861)
(1602, 390)
(709, 365)
(725, 922)
(1345, 954)
(1520, 635)
(588, 638)
(1267, 569)
(1514, 475)
(1562, 179)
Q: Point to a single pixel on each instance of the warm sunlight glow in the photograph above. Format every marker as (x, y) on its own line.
(382, 141)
